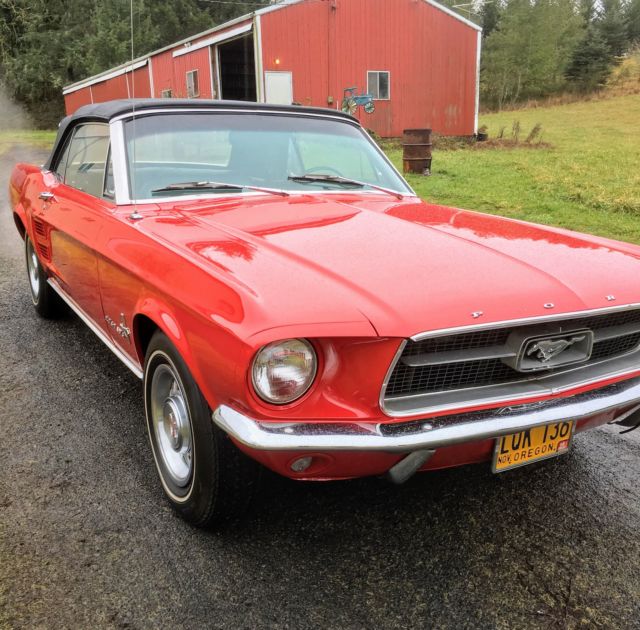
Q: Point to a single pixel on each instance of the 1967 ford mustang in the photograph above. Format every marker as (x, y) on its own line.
(289, 302)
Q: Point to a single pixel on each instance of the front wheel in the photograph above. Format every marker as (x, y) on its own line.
(45, 300)
(205, 477)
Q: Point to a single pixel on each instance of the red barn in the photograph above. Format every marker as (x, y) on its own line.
(418, 59)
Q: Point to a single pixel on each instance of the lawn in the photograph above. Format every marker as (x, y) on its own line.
(587, 180)
(42, 139)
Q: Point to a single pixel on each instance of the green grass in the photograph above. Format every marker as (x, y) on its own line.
(587, 180)
(43, 139)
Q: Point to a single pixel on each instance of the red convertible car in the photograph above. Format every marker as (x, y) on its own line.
(289, 302)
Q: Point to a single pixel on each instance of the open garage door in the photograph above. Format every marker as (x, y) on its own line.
(237, 69)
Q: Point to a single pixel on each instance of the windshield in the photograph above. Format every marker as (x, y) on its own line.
(260, 150)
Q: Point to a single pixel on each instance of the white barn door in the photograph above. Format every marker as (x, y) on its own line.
(278, 87)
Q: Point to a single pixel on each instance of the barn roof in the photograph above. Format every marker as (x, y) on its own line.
(142, 61)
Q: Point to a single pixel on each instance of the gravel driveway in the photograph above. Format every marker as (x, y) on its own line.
(87, 540)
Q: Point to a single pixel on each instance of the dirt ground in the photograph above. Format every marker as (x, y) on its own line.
(88, 541)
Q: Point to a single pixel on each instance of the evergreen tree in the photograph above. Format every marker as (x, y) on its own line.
(612, 27)
(632, 18)
(587, 9)
(490, 16)
(591, 62)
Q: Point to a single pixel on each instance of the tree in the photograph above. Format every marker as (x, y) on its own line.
(490, 16)
(612, 27)
(587, 9)
(47, 44)
(526, 56)
(109, 44)
(591, 62)
(632, 18)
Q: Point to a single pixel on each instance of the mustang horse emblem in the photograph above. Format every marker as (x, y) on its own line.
(547, 348)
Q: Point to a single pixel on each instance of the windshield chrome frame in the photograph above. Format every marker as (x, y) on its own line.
(121, 171)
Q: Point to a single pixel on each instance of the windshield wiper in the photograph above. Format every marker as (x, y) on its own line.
(342, 181)
(217, 186)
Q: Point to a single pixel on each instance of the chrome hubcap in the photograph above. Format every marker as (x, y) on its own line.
(32, 268)
(171, 425)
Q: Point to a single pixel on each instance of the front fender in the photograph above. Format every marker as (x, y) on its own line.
(17, 181)
(162, 316)
(204, 347)
(20, 219)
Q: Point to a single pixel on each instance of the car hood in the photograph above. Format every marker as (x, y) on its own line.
(406, 266)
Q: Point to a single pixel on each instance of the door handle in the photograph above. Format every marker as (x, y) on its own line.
(46, 196)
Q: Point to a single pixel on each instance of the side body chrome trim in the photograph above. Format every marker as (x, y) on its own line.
(497, 400)
(73, 305)
(420, 435)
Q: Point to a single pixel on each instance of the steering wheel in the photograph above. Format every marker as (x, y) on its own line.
(322, 170)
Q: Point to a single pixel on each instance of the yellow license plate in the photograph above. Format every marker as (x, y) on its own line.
(532, 445)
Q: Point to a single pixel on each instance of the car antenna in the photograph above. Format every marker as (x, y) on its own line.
(135, 215)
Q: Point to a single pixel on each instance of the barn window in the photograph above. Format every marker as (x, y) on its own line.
(166, 94)
(378, 84)
(192, 84)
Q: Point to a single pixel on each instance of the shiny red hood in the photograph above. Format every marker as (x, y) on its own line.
(405, 266)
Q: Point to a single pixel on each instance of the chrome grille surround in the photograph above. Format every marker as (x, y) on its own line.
(462, 383)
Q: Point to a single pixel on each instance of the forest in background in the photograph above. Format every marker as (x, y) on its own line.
(531, 48)
(47, 44)
(538, 48)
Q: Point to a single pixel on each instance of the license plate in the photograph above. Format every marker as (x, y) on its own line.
(532, 445)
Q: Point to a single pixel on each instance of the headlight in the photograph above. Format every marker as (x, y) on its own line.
(284, 370)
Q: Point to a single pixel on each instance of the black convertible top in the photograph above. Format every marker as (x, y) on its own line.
(104, 112)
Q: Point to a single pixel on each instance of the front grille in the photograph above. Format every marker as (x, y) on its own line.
(407, 380)
(464, 341)
(614, 347)
(465, 361)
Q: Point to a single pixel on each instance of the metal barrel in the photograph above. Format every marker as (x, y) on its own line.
(416, 151)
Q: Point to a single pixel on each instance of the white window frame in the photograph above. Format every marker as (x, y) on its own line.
(196, 92)
(379, 72)
(168, 93)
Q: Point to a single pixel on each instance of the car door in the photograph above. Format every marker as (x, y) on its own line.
(70, 215)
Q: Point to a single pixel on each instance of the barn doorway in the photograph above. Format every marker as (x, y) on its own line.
(237, 69)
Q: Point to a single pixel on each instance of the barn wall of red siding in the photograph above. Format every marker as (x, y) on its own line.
(430, 55)
(196, 60)
(297, 37)
(162, 71)
(330, 45)
(139, 85)
(74, 100)
(111, 88)
(169, 72)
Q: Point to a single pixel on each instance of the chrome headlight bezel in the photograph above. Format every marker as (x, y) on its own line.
(263, 384)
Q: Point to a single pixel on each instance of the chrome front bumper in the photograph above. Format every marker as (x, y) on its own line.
(431, 434)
